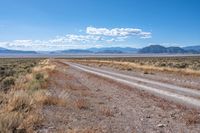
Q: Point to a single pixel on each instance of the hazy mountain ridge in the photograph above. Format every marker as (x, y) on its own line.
(113, 50)
(2, 49)
(9, 51)
(195, 48)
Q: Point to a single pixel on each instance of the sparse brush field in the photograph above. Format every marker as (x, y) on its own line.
(42, 95)
(172, 62)
(184, 64)
(10, 69)
(23, 93)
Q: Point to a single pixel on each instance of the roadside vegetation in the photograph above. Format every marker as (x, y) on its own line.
(11, 69)
(24, 91)
(181, 65)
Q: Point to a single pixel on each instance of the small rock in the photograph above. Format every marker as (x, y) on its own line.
(98, 90)
(114, 107)
(51, 127)
(120, 113)
(173, 116)
(148, 116)
(161, 125)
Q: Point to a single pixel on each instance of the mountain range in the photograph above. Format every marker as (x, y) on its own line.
(169, 50)
(9, 51)
(152, 49)
(196, 48)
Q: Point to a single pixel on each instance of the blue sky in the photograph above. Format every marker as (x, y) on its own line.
(65, 24)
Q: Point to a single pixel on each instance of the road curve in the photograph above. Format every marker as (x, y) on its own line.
(186, 96)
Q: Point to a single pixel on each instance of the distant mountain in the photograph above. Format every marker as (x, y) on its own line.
(114, 50)
(105, 50)
(175, 50)
(8, 51)
(162, 49)
(193, 48)
(76, 51)
(153, 49)
(2, 48)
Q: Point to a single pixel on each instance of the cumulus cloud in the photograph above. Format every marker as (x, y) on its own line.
(117, 32)
(92, 37)
(63, 42)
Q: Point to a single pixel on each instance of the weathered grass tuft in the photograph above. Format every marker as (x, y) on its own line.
(192, 118)
(10, 121)
(20, 102)
(50, 100)
(81, 104)
(106, 111)
(86, 130)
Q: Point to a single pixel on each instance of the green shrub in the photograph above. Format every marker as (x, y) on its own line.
(37, 82)
(7, 83)
(39, 76)
(34, 85)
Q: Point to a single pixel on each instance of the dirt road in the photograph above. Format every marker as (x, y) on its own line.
(170, 92)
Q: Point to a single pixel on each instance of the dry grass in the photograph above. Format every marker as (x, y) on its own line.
(25, 99)
(20, 102)
(15, 122)
(44, 66)
(192, 117)
(81, 104)
(86, 130)
(16, 115)
(10, 121)
(32, 121)
(50, 100)
(123, 65)
(2, 98)
(11, 69)
(106, 111)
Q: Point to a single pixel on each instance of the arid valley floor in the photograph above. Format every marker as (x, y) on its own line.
(108, 95)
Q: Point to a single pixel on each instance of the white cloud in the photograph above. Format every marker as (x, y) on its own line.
(91, 38)
(75, 38)
(117, 32)
(145, 35)
(22, 41)
(117, 39)
(58, 43)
